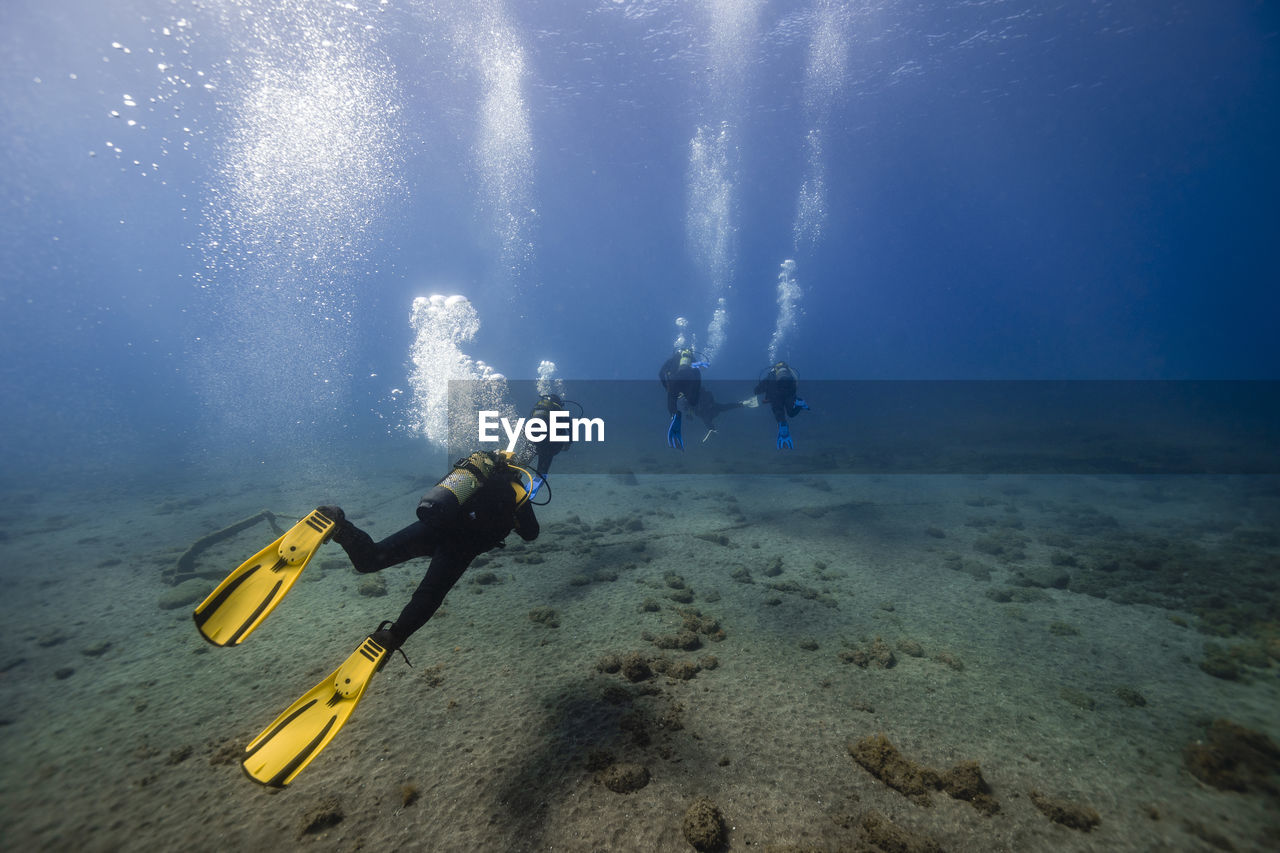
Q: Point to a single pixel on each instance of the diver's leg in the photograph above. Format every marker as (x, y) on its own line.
(416, 540)
(446, 568)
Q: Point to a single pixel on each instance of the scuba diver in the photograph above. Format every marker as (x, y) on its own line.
(471, 510)
(546, 448)
(778, 385)
(682, 377)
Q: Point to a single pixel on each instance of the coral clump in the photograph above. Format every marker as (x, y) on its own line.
(882, 759)
(546, 616)
(1065, 812)
(1234, 758)
(877, 832)
(636, 667)
(624, 778)
(877, 656)
(965, 782)
(704, 825)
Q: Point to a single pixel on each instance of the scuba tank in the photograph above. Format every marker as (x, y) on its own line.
(469, 476)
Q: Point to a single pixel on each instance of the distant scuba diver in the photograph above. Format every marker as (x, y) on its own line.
(546, 448)
(472, 509)
(778, 385)
(682, 377)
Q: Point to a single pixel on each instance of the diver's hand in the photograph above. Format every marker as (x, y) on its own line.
(801, 404)
(784, 438)
(673, 433)
(333, 512)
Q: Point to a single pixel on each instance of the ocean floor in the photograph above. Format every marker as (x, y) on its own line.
(827, 663)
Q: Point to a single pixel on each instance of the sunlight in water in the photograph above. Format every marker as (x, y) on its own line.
(309, 161)
(504, 143)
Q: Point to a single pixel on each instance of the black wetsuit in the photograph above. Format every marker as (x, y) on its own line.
(547, 448)
(679, 380)
(708, 409)
(450, 534)
(779, 390)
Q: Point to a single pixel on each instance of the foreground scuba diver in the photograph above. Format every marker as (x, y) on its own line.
(471, 510)
(681, 376)
(779, 389)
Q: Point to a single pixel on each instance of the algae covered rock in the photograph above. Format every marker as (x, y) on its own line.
(1234, 758)
(636, 667)
(882, 760)
(704, 825)
(877, 832)
(372, 586)
(624, 778)
(1065, 812)
(965, 782)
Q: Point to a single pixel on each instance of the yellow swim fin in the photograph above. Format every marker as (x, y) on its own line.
(296, 737)
(243, 600)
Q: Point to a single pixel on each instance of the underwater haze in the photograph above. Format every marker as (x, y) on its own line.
(218, 214)
(1024, 257)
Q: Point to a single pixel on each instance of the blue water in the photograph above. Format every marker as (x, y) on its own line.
(217, 215)
(223, 225)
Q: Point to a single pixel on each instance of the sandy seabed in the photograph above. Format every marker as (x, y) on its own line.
(1012, 645)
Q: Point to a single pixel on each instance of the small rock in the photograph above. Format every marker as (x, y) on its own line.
(1068, 814)
(372, 586)
(188, 592)
(624, 778)
(324, 816)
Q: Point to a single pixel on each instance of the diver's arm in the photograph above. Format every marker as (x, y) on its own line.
(527, 523)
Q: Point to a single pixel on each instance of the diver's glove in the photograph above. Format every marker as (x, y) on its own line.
(673, 433)
(701, 364)
(333, 512)
(801, 404)
(342, 528)
(784, 438)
